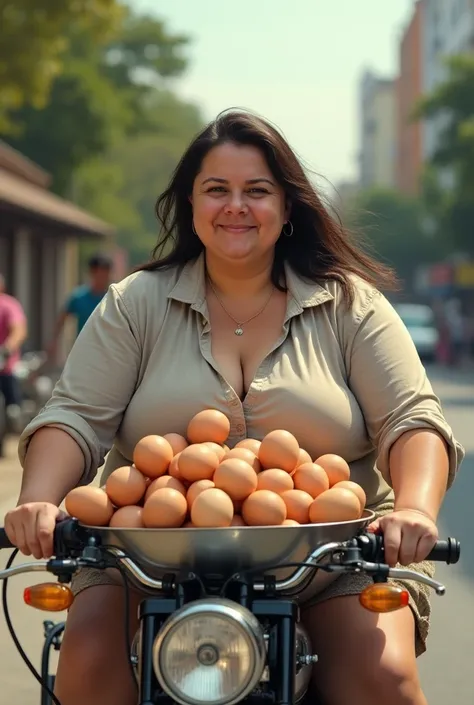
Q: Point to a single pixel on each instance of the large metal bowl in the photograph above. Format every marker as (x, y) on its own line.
(224, 551)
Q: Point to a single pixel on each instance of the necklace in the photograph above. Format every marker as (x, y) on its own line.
(240, 325)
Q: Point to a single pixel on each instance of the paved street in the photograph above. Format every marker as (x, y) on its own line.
(447, 667)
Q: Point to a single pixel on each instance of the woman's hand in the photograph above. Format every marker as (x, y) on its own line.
(30, 527)
(408, 535)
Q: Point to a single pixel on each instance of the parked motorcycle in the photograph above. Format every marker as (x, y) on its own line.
(223, 625)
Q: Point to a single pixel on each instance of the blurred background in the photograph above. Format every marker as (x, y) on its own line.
(99, 98)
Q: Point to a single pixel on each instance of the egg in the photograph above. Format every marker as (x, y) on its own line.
(212, 508)
(165, 481)
(173, 469)
(275, 480)
(237, 520)
(245, 454)
(90, 505)
(290, 522)
(176, 441)
(219, 450)
(208, 425)
(197, 462)
(128, 518)
(311, 478)
(279, 449)
(334, 505)
(297, 505)
(335, 467)
(165, 508)
(236, 478)
(152, 455)
(125, 485)
(264, 508)
(303, 457)
(355, 488)
(251, 444)
(196, 488)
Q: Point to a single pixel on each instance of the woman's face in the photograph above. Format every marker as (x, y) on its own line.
(238, 207)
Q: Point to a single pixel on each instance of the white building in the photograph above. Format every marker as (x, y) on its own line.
(447, 30)
(378, 114)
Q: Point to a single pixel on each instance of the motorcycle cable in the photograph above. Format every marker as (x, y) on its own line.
(14, 637)
(278, 566)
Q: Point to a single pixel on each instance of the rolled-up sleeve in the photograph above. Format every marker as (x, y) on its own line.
(98, 380)
(390, 383)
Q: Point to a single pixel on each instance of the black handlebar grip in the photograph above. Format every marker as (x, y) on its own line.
(448, 551)
(4, 540)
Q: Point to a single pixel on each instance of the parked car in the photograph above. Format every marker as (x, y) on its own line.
(420, 322)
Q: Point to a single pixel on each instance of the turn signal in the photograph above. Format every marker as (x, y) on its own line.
(50, 597)
(383, 597)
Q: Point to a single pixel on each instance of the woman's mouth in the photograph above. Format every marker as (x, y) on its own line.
(237, 229)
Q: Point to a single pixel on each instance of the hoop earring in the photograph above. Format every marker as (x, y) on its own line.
(291, 229)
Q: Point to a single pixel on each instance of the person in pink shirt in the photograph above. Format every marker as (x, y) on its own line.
(13, 332)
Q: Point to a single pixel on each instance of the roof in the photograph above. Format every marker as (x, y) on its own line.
(16, 163)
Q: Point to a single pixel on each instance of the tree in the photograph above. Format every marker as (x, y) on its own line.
(449, 183)
(35, 41)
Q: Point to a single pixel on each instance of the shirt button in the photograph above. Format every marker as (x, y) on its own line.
(240, 428)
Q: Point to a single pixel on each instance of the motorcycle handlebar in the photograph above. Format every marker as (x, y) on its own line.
(445, 551)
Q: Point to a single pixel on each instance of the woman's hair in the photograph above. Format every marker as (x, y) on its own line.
(320, 247)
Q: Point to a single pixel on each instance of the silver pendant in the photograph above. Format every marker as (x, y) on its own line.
(238, 331)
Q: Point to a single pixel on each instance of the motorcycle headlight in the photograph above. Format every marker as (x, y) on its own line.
(210, 651)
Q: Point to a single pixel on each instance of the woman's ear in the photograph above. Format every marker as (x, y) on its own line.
(287, 209)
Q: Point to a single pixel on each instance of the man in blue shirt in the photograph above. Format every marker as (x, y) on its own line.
(84, 299)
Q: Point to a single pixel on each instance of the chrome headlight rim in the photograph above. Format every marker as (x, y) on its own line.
(246, 621)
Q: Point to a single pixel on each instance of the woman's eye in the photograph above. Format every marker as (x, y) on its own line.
(258, 190)
(216, 188)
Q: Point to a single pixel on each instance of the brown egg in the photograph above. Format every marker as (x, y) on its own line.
(311, 478)
(264, 508)
(297, 505)
(128, 518)
(165, 481)
(152, 455)
(356, 489)
(334, 505)
(173, 469)
(335, 467)
(165, 508)
(275, 480)
(303, 457)
(219, 450)
(196, 488)
(247, 455)
(90, 505)
(237, 520)
(212, 508)
(208, 425)
(125, 486)
(290, 522)
(176, 441)
(251, 444)
(197, 462)
(236, 478)
(226, 448)
(279, 449)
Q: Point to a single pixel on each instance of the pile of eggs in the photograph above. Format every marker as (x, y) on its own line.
(199, 482)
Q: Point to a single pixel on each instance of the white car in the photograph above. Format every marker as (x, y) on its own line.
(420, 322)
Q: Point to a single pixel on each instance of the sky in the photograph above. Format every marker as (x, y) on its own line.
(298, 66)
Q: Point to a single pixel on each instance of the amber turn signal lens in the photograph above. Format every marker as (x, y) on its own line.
(50, 597)
(383, 597)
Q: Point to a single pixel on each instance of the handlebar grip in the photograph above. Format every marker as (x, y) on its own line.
(4, 540)
(448, 551)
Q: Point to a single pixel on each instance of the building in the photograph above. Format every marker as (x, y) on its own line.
(377, 158)
(39, 238)
(409, 90)
(447, 30)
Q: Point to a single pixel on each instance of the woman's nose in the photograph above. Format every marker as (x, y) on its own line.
(235, 203)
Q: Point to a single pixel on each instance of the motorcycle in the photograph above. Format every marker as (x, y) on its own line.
(219, 620)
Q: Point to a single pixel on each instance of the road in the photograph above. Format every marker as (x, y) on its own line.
(446, 669)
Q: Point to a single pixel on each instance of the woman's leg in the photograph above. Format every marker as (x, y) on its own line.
(93, 666)
(364, 658)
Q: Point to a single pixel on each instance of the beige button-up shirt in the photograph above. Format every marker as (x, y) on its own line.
(343, 380)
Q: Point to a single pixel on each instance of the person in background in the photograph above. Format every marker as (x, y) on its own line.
(84, 299)
(13, 332)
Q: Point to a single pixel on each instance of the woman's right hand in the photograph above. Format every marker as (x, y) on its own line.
(30, 527)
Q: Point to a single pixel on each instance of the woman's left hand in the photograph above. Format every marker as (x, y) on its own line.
(409, 535)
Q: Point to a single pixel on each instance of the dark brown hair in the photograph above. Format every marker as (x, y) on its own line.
(320, 247)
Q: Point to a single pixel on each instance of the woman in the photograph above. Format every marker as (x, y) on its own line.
(265, 310)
